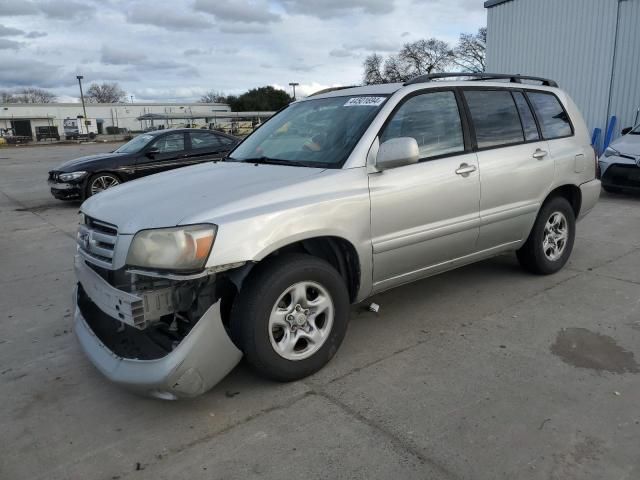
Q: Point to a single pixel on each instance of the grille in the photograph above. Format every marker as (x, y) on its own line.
(97, 241)
(622, 175)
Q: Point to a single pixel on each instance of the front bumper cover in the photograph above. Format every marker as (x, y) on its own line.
(203, 358)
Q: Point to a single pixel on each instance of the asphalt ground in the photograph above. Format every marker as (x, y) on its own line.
(486, 372)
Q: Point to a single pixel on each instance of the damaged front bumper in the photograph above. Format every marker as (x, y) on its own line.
(201, 359)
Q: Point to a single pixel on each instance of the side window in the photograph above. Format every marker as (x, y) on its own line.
(495, 117)
(554, 121)
(174, 142)
(226, 141)
(526, 117)
(433, 120)
(204, 140)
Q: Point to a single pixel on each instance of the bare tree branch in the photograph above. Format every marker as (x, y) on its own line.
(105, 93)
(470, 52)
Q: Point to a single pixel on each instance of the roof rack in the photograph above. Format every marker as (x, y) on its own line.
(330, 89)
(481, 76)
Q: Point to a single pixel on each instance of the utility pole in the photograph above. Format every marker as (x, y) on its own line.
(131, 98)
(80, 77)
(294, 85)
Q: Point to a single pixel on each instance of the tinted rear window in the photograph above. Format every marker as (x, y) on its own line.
(495, 117)
(528, 122)
(554, 121)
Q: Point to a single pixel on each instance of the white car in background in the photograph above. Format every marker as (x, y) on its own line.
(620, 162)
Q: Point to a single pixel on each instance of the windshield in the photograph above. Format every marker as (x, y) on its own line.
(135, 145)
(315, 133)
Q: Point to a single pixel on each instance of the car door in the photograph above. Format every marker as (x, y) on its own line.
(516, 169)
(205, 146)
(166, 152)
(426, 214)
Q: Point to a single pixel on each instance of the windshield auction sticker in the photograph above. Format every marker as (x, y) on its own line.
(365, 101)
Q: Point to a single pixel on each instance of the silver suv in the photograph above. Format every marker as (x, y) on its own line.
(337, 197)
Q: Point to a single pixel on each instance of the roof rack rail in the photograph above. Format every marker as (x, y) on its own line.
(330, 89)
(481, 76)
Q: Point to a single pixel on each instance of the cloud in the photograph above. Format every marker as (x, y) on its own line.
(66, 9)
(16, 72)
(114, 56)
(336, 8)
(341, 53)
(9, 31)
(243, 28)
(166, 18)
(6, 44)
(36, 34)
(374, 45)
(10, 8)
(242, 11)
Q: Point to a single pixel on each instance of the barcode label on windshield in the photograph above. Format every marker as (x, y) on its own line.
(364, 101)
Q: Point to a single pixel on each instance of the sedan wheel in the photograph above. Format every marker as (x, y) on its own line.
(102, 181)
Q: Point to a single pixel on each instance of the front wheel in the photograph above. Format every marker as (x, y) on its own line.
(99, 182)
(291, 316)
(551, 240)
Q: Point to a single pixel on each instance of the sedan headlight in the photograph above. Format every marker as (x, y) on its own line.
(180, 248)
(67, 177)
(610, 152)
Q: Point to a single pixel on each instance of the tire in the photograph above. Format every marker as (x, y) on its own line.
(546, 257)
(612, 189)
(99, 182)
(267, 301)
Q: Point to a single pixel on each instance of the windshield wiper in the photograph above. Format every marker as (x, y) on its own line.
(276, 161)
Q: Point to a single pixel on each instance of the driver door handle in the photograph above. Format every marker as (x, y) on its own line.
(465, 169)
(539, 154)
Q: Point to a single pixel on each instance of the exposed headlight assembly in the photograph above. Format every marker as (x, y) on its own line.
(67, 177)
(610, 152)
(183, 248)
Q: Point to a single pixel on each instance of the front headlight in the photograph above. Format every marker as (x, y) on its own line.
(610, 152)
(67, 177)
(179, 248)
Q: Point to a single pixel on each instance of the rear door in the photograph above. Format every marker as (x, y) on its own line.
(171, 153)
(206, 145)
(516, 169)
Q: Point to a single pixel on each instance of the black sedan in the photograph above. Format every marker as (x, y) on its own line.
(146, 154)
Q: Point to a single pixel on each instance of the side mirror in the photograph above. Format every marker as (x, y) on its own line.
(397, 152)
(152, 152)
(626, 130)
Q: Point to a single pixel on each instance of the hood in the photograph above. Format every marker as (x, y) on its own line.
(628, 144)
(172, 198)
(78, 163)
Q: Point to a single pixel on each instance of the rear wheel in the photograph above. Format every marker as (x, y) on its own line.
(551, 240)
(100, 182)
(291, 316)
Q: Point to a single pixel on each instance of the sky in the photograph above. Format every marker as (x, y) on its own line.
(177, 50)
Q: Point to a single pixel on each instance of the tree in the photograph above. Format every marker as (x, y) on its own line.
(27, 95)
(415, 58)
(470, 53)
(108, 92)
(259, 99)
(213, 96)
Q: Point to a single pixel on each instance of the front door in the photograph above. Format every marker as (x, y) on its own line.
(167, 152)
(426, 214)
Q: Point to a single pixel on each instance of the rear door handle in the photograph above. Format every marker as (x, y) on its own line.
(465, 169)
(539, 154)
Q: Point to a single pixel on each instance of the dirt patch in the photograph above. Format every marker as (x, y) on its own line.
(586, 349)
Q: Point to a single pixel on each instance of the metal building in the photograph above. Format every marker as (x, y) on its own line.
(590, 47)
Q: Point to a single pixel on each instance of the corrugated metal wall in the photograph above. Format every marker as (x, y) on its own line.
(572, 42)
(625, 94)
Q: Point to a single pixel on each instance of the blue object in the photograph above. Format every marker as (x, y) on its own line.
(595, 140)
(608, 137)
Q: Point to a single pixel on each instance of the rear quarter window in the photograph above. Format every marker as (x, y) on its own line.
(552, 117)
